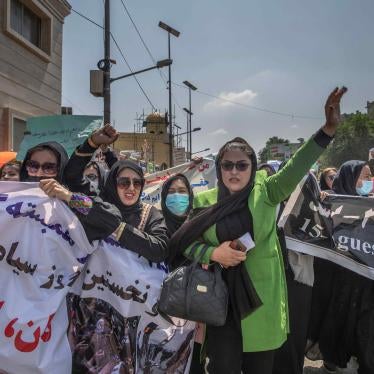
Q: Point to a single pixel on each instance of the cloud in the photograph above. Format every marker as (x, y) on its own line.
(228, 99)
(219, 132)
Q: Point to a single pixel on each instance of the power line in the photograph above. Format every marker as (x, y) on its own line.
(250, 106)
(122, 54)
(137, 81)
(148, 50)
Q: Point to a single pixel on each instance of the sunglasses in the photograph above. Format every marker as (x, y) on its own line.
(91, 177)
(331, 177)
(125, 183)
(48, 168)
(239, 166)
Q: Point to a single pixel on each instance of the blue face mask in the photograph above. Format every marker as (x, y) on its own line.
(177, 203)
(365, 189)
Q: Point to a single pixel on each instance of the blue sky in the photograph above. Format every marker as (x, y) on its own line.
(280, 55)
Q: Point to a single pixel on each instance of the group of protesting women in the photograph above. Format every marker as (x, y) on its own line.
(263, 332)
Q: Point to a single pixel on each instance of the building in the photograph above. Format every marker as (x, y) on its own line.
(283, 151)
(153, 144)
(30, 64)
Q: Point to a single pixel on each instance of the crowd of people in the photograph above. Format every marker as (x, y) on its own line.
(272, 320)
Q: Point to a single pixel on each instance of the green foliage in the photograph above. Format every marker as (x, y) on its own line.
(354, 138)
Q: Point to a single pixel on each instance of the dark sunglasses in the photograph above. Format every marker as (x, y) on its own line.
(331, 177)
(125, 182)
(239, 166)
(91, 177)
(48, 168)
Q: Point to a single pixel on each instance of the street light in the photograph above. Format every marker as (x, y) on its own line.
(160, 64)
(175, 33)
(191, 87)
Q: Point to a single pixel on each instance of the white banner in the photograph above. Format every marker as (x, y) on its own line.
(201, 176)
(50, 275)
(115, 322)
(42, 247)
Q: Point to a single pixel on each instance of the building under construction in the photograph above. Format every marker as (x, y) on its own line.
(150, 141)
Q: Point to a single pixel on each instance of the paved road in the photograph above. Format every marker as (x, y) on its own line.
(315, 367)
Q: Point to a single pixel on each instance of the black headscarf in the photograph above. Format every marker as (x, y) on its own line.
(233, 219)
(346, 179)
(57, 149)
(130, 214)
(173, 222)
(102, 173)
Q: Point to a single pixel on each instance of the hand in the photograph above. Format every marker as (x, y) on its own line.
(106, 135)
(332, 110)
(227, 256)
(323, 195)
(54, 189)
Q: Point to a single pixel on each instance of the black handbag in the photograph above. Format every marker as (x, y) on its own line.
(193, 293)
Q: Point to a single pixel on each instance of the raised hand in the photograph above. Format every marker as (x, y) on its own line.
(105, 135)
(332, 110)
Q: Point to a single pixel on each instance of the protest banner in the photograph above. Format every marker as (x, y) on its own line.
(339, 229)
(202, 176)
(42, 247)
(115, 323)
(69, 131)
(66, 304)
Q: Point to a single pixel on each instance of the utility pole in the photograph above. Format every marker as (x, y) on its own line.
(107, 63)
(175, 33)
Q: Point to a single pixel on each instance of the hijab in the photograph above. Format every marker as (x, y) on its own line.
(233, 219)
(57, 149)
(102, 174)
(346, 179)
(174, 222)
(130, 213)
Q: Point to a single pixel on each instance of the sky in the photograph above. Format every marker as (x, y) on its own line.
(283, 56)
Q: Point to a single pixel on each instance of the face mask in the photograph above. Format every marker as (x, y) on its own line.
(177, 203)
(94, 184)
(365, 189)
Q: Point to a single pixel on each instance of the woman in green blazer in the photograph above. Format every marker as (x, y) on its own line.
(245, 202)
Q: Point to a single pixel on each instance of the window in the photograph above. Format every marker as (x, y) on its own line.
(25, 22)
(29, 23)
(18, 131)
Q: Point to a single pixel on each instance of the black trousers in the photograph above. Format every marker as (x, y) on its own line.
(225, 352)
(289, 359)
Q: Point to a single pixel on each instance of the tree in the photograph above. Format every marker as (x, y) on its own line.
(352, 141)
(265, 154)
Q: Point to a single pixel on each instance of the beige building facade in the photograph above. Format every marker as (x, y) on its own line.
(30, 64)
(153, 144)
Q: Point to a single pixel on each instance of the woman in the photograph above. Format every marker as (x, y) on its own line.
(77, 172)
(176, 204)
(10, 171)
(327, 178)
(245, 202)
(94, 176)
(120, 211)
(342, 299)
(176, 201)
(46, 160)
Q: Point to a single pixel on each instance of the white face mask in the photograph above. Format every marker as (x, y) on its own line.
(94, 184)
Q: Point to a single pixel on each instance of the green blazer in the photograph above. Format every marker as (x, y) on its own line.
(267, 327)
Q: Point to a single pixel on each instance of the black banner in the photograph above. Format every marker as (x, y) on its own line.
(339, 229)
